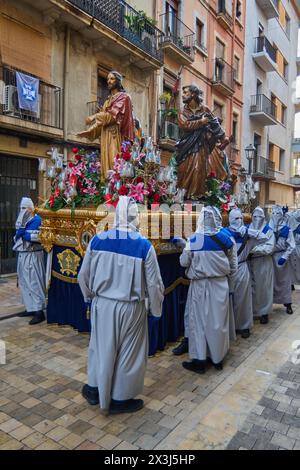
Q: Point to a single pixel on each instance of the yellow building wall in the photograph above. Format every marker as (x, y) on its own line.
(25, 42)
(11, 146)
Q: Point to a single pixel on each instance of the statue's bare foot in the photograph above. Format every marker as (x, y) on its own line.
(83, 134)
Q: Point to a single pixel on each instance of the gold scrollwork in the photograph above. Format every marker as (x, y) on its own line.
(68, 262)
(84, 235)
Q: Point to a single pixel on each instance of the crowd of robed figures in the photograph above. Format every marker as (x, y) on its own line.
(236, 273)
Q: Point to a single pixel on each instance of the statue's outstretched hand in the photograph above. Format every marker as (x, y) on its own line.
(89, 120)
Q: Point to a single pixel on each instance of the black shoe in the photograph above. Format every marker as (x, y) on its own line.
(245, 333)
(289, 309)
(264, 319)
(38, 318)
(182, 348)
(125, 406)
(91, 394)
(195, 366)
(218, 366)
(26, 314)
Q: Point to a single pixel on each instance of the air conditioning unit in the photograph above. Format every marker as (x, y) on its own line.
(171, 130)
(11, 103)
(10, 100)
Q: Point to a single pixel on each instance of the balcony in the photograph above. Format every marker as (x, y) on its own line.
(48, 118)
(269, 8)
(223, 79)
(110, 25)
(295, 180)
(168, 129)
(224, 18)
(265, 54)
(263, 110)
(263, 168)
(296, 145)
(178, 40)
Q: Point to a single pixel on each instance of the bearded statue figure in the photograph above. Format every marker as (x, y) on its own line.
(112, 124)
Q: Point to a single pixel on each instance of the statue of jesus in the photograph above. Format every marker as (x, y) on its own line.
(112, 124)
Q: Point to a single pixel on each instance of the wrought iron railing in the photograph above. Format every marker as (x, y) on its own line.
(178, 33)
(127, 22)
(262, 44)
(263, 167)
(262, 104)
(224, 73)
(49, 105)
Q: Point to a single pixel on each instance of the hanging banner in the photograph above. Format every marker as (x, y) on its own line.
(28, 92)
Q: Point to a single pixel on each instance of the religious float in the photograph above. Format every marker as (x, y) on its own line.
(81, 204)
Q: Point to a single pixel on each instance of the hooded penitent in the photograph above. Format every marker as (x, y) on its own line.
(285, 245)
(236, 220)
(277, 219)
(25, 214)
(210, 221)
(258, 219)
(293, 219)
(127, 215)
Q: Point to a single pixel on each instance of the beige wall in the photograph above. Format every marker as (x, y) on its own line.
(282, 194)
(25, 40)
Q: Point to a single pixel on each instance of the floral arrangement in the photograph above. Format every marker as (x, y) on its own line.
(137, 173)
(78, 183)
(218, 193)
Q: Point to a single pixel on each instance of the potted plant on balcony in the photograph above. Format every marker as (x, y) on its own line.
(187, 49)
(165, 98)
(170, 114)
(139, 23)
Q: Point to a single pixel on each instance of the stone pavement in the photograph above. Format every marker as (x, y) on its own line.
(253, 403)
(10, 297)
(274, 422)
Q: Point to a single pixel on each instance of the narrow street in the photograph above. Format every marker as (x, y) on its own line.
(253, 403)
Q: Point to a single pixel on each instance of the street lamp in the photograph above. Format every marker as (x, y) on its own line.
(250, 151)
(248, 187)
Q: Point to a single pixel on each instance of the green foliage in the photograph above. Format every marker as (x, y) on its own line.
(139, 23)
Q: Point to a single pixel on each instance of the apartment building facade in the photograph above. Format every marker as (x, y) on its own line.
(269, 83)
(204, 43)
(70, 46)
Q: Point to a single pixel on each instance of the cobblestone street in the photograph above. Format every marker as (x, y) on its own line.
(10, 297)
(253, 403)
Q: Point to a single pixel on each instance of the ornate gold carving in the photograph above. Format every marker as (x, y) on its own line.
(180, 280)
(68, 262)
(64, 228)
(85, 234)
(70, 280)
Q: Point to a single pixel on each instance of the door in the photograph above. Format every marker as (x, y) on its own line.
(18, 178)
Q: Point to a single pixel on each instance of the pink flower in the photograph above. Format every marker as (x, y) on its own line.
(163, 190)
(151, 185)
(91, 191)
(138, 192)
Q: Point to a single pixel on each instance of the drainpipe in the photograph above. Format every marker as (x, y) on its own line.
(66, 88)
